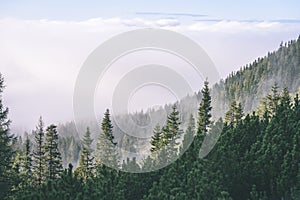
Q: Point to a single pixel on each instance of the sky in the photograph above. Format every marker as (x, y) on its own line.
(83, 10)
(45, 43)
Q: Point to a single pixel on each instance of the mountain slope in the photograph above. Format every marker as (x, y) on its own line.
(248, 86)
(254, 81)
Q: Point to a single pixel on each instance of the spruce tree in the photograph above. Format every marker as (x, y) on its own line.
(239, 112)
(189, 133)
(203, 123)
(107, 152)
(230, 114)
(6, 150)
(39, 153)
(156, 139)
(52, 154)
(171, 133)
(285, 99)
(204, 111)
(86, 158)
(273, 99)
(23, 164)
(28, 160)
(234, 114)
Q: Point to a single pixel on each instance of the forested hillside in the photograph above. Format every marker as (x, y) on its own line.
(256, 157)
(254, 81)
(247, 86)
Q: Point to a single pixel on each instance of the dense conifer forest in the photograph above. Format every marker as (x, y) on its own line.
(257, 156)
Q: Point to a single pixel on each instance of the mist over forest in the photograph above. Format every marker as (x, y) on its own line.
(247, 86)
(251, 119)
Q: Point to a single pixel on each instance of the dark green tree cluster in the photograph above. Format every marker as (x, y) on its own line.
(256, 157)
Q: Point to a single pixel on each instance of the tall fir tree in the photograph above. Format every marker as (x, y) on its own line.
(171, 133)
(28, 160)
(230, 114)
(86, 158)
(204, 111)
(156, 141)
(203, 123)
(189, 133)
(285, 99)
(52, 154)
(6, 149)
(107, 151)
(39, 167)
(23, 164)
(273, 99)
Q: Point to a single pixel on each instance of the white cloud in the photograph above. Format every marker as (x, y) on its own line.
(167, 22)
(235, 26)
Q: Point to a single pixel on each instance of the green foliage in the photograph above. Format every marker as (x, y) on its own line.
(6, 149)
(28, 160)
(156, 140)
(39, 167)
(171, 133)
(234, 114)
(253, 81)
(189, 134)
(107, 151)
(204, 111)
(256, 157)
(251, 160)
(52, 154)
(85, 168)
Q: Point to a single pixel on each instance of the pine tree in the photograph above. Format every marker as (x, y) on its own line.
(273, 99)
(189, 133)
(86, 158)
(38, 167)
(6, 150)
(285, 99)
(204, 111)
(107, 152)
(52, 154)
(239, 112)
(23, 165)
(156, 139)
(234, 114)
(230, 114)
(203, 123)
(171, 132)
(28, 160)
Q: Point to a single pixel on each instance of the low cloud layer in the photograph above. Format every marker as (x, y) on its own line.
(40, 59)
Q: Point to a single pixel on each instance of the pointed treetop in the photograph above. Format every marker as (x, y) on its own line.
(204, 111)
